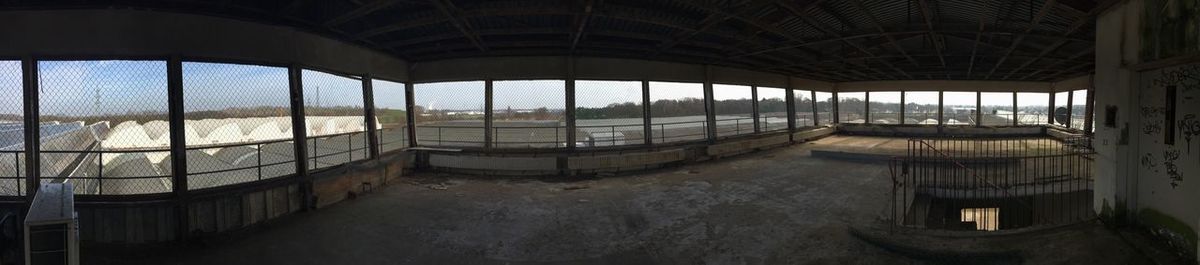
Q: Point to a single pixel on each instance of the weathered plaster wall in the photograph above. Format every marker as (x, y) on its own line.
(1148, 159)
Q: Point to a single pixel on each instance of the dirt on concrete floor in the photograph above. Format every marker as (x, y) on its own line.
(774, 207)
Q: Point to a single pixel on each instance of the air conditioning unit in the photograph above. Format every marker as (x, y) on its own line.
(52, 227)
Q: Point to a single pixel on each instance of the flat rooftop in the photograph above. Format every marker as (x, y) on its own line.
(781, 206)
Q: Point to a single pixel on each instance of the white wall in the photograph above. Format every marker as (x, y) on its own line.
(1139, 177)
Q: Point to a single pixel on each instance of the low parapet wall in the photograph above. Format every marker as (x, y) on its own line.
(932, 130)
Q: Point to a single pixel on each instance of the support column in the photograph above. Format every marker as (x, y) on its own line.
(646, 130)
(940, 110)
(903, 101)
(1089, 113)
(409, 115)
(754, 108)
(179, 169)
(709, 106)
(1050, 118)
(299, 136)
(369, 116)
(867, 107)
(570, 103)
(816, 120)
(487, 113)
(29, 69)
(790, 100)
(835, 111)
(978, 108)
(1015, 118)
(1070, 109)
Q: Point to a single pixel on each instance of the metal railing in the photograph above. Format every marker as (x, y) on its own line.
(680, 131)
(89, 171)
(992, 184)
(738, 124)
(14, 178)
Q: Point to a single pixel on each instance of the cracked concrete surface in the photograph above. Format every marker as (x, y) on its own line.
(775, 207)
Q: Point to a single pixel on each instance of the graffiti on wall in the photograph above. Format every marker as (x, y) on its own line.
(1152, 118)
(1189, 127)
(1148, 162)
(1170, 28)
(1169, 158)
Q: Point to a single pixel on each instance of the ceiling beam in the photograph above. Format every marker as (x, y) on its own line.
(581, 23)
(875, 21)
(452, 13)
(361, 11)
(938, 43)
(713, 19)
(1049, 4)
(1078, 23)
(800, 12)
(975, 45)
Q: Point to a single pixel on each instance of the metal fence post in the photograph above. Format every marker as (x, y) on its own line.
(179, 169)
(369, 115)
(646, 130)
(32, 114)
(299, 135)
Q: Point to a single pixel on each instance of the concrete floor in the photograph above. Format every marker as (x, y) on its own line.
(775, 207)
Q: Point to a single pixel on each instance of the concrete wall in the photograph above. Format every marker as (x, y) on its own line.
(92, 33)
(1141, 177)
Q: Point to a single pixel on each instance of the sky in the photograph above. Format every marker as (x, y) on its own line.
(118, 87)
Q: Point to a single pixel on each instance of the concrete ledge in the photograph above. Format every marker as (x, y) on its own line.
(740, 146)
(807, 135)
(625, 160)
(933, 130)
(548, 163)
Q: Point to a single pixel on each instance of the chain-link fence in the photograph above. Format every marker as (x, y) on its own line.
(884, 107)
(803, 99)
(677, 112)
(608, 113)
(852, 107)
(734, 108)
(335, 119)
(772, 109)
(12, 130)
(236, 137)
(529, 114)
(450, 114)
(391, 114)
(104, 126)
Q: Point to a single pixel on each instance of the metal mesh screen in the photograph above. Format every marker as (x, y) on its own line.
(104, 126)
(608, 113)
(997, 108)
(237, 124)
(1079, 109)
(335, 118)
(921, 107)
(772, 109)
(804, 108)
(450, 113)
(390, 114)
(852, 107)
(529, 114)
(885, 107)
(958, 108)
(734, 109)
(677, 112)
(1033, 108)
(824, 102)
(12, 133)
